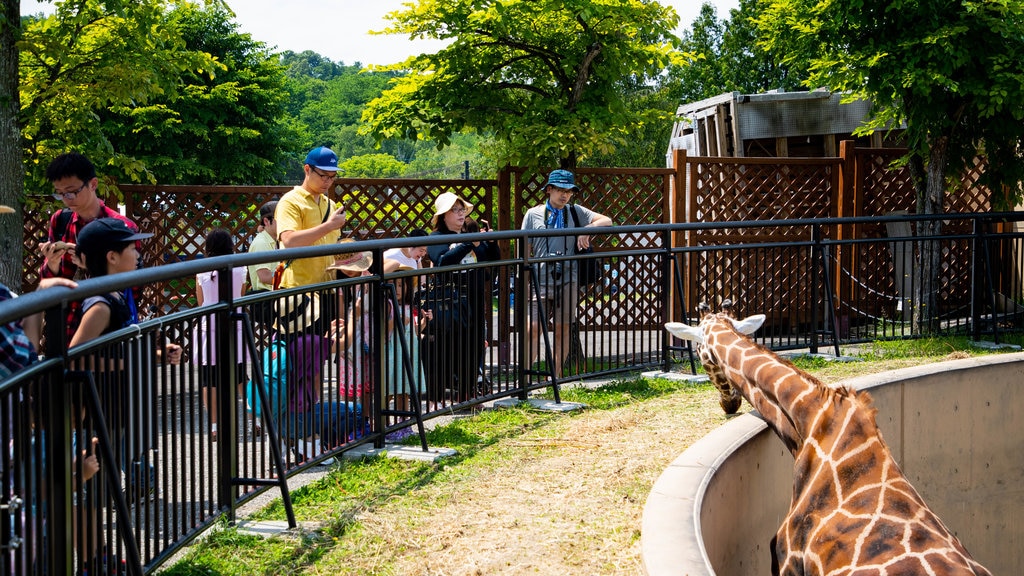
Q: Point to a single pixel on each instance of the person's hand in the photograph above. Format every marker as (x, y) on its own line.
(583, 242)
(57, 281)
(337, 329)
(339, 216)
(90, 463)
(172, 353)
(53, 252)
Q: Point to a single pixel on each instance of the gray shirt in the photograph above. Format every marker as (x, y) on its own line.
(536, 219)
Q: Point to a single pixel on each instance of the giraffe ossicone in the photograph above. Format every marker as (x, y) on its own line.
(853, 511)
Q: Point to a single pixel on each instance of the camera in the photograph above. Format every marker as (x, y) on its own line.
(555, 268)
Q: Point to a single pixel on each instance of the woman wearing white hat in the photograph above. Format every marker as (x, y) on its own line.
(453, 346)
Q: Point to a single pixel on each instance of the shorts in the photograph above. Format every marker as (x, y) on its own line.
(208, 374)
(560, 303)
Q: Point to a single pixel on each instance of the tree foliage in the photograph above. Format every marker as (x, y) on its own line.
(89, 56)
(546, 77)
(727, 57)
(224, 125)
(950, 70)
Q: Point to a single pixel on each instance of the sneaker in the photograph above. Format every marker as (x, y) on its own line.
(310, 450)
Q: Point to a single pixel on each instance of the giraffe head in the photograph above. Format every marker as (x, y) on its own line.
(730, 398)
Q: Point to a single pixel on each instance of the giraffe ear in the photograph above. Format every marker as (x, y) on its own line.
(749, 325)
(685, 331)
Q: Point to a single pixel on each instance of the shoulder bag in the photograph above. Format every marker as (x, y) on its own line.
(589, 269)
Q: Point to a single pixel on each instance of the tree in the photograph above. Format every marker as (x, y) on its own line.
(328, 99)
(727, 57)
(12, 171)
(949, 70)
(546, 77)
(371, 166)
(87, 57)
(226, 124)
(57, 72)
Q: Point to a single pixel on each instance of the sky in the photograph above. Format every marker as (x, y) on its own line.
(338, 29)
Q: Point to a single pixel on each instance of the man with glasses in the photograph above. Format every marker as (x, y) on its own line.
(75, 184)
(556, 280)
(306, 216)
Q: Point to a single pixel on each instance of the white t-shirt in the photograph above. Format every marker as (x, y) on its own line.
(397, 255)
(203, 336)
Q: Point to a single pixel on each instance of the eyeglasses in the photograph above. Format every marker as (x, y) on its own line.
(458, 210)
(70, 194)
(323, 175)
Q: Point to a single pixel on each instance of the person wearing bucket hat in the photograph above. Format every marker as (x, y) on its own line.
(557, 281)
(75, 184)
(305, 216)
(454, 343)
(352, 263)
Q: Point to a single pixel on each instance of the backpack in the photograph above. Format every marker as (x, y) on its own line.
(61, 225)
(275, 381)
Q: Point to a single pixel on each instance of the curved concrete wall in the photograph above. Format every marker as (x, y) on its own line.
(956, 428)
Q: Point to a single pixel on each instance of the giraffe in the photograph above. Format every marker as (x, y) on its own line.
(853, 511)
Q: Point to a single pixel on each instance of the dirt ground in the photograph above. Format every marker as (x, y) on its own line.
(569, 502)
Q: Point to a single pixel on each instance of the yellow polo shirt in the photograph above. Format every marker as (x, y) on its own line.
(297, 210)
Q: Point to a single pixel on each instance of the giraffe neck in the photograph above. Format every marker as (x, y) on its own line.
(788, 398)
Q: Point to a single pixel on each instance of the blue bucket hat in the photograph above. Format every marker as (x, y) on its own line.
(322, 158)
(562, 179)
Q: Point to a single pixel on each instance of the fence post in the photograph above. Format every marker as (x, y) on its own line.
(980, 242)
(227, 429)
(379, 340)
(815, 292)
(666, 299)
(53, 408)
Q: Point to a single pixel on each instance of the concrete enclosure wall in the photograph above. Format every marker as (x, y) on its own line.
(954, 427)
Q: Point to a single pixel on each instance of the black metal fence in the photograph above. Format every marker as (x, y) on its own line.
(295, 377)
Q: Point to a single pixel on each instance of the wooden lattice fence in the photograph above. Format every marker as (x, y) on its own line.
(861, 182)
(858, 183)
(763, 189)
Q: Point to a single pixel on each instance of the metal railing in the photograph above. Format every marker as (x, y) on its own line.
(163, 478)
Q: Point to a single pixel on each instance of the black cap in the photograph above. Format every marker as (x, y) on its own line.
(100, 234)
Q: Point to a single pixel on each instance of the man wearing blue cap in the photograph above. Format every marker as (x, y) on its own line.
(305, 216)
(557, 280)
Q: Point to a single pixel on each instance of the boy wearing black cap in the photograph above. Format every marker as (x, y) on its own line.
(108, 246)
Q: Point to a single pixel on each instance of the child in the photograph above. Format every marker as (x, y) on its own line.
(107, 246)
(408, 324)
(218, 243)
(353, 353)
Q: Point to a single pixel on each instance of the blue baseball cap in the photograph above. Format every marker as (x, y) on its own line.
(322, 158)
(562, 179)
